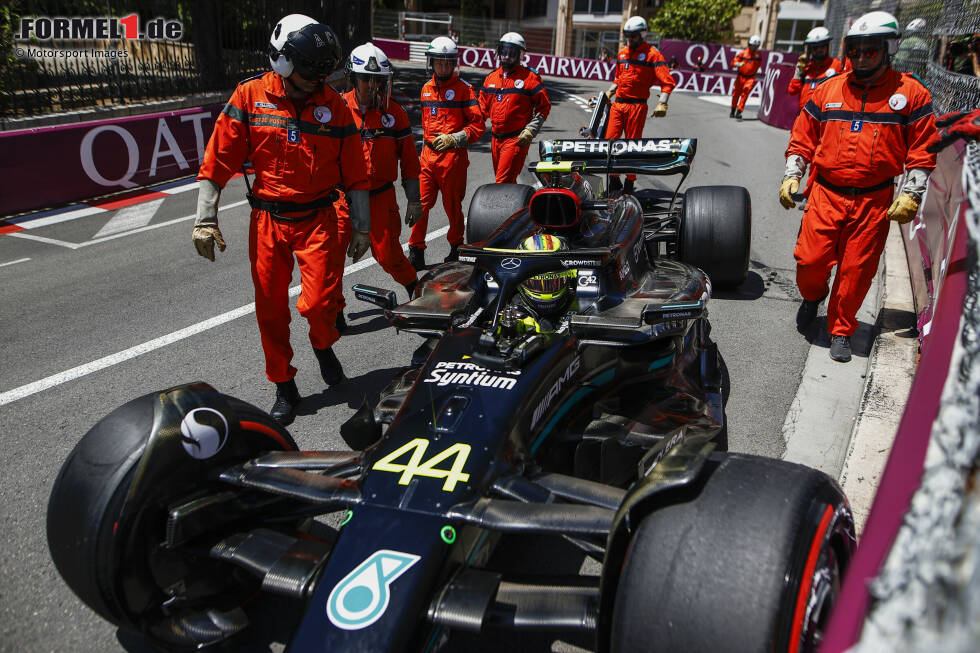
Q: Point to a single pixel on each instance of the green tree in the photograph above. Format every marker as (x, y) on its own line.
(708, 21)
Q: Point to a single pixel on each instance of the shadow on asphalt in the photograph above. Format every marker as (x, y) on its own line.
(752, 288)
(351, 392)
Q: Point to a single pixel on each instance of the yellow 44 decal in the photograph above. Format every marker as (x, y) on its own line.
(415, 467)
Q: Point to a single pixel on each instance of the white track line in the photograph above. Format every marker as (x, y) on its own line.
(20, 260)
(146, 347)
(129, 218)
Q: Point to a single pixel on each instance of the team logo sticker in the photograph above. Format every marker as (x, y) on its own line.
(642, 56)
(898, 102)
(322, 113)
(450, 94)
(387, 120)
(203, 432)
(510, 263)
(362, 596)
(518, 83)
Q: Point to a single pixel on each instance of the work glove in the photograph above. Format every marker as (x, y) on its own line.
(790, 186)
(204, 237)
(443, 142)
(413, 212)
(954, 125)
(801, 66)
(660, 111)
(525, 138)
(360, 243)
(903, 209)
(459, 138)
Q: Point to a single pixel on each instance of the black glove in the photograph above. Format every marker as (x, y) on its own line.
(956, 125)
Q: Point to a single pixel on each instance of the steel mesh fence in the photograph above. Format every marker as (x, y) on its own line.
(939, 53)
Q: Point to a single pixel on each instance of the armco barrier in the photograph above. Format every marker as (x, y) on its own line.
(48, 166)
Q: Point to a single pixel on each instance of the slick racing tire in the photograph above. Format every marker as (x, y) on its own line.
(108, 546)
(716, 232)
(490, 207)
(752, 563)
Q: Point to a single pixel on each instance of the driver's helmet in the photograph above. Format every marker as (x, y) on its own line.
(550, 293)
(301, 44)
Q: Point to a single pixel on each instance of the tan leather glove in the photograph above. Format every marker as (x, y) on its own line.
(801, 66)
(525, 138)
(204, 237)
(790, 186)
(360, 243)
(903, 209)
(413, 212)
(660, 111)
(443, 142)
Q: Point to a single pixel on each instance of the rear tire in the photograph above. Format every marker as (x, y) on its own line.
(716, 232)
(492, 205)
(108, 551)
(735, 566)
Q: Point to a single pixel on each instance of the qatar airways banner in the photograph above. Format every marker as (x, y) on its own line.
(778, 107)
(703, 68)
(53, 165)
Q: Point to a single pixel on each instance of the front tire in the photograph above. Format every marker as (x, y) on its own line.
(716, 232)
(753, 562)
(107, 517)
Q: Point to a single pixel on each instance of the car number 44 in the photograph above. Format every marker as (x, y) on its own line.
(429, 468)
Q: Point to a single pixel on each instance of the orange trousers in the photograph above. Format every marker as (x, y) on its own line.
(508, 159)
(386, 229)
(741, 88)
(443, 172)
(626, 121)
(271, 246)
(846, 230)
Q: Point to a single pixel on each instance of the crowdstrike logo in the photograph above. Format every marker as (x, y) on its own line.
(82, 28)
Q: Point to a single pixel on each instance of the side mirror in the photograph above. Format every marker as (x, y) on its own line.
(377, 296)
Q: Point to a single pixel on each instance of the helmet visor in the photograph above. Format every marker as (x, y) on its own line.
(313, 69)
(549, 285)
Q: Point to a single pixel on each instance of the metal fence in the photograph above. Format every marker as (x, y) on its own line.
(939, 54)
(222, 42)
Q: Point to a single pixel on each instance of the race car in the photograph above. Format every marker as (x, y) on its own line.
(593, 424)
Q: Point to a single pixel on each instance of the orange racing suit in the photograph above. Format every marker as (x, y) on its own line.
(858, 138)
(300, 151)
(447, 108)
(512, 101)
(814, 73)
(744, 76)
(636, 71)
(387, 140)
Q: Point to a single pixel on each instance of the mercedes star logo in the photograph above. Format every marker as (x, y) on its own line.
(510, 263)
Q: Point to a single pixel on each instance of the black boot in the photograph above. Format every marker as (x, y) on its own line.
(738, 116)
(628, 187)
(732, 114)
(287, 398)
(453, 254)
(330, 368)
(410, 289)
(840, 348)
(416, 256)
(341, 323)
(615, 184)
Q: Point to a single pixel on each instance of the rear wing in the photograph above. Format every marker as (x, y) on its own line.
(643, 156)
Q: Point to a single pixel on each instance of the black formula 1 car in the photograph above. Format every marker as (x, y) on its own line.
(602, 434)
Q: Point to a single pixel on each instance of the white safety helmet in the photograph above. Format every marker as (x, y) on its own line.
(916, 25)
(442, 47)
(300, 43)
(635, 24)
(755, 41)
(817, 36)
(370, 60)
(876, 24)
(512, 38)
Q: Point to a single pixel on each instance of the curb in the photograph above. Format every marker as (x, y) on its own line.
(844, 416)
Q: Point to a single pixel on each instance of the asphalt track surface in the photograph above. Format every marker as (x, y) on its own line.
(142, 311)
